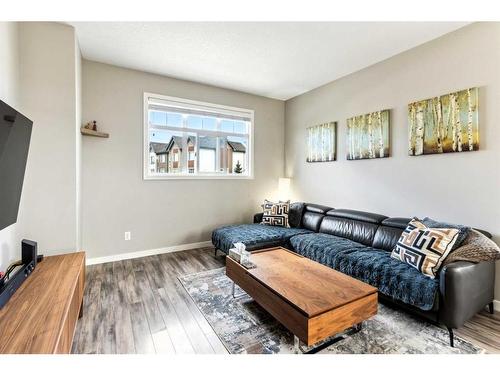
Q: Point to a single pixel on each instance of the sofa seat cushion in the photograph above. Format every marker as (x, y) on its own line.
(393, 278)
(254, 236)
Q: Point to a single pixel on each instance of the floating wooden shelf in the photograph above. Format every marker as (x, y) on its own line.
(94, 133)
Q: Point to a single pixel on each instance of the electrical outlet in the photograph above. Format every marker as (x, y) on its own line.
(127, 236)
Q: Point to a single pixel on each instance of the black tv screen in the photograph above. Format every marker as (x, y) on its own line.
(15, 134)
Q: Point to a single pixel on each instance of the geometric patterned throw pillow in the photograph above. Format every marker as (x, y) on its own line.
(276, 213)
(424, 248)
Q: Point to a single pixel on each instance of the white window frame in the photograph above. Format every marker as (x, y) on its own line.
(217, 108)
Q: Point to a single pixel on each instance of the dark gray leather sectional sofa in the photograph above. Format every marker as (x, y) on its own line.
(359, 244)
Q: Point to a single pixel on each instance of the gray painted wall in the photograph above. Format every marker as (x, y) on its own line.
(461, 188)
(169, 212)
(9, 93)
(48, 94)
(78, 142)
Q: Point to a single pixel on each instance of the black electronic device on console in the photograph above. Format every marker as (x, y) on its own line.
(27, 265)
(29, 252)
(15, 136)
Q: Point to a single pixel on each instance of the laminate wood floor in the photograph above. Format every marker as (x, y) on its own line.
(139, 306)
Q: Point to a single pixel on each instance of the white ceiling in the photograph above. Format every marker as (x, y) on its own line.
(274, 59)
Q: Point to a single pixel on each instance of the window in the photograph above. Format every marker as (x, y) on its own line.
(189, 139)
(207, 161)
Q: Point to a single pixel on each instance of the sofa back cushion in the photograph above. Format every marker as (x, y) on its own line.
(312, 220)
(367, 217)
(317, 208)
(396, 222)
(355, 230)
(313, 215)
(355, 225)
(389, 231)
(386, 237)
(295, 214)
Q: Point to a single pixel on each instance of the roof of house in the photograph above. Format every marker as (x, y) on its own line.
(205, 143)
(208, 143)
(177, 140)
(158, 148)
(237, 146)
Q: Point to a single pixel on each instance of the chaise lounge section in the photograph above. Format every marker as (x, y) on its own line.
(254, 236)
(359, 244)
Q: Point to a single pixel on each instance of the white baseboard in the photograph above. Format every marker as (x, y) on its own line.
(496, 305)
(145, 253)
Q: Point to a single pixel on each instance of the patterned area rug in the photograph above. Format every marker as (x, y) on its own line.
(244, 327)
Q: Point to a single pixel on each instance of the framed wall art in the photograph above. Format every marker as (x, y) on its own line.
(368, 136)
(447, 123)
(321, 142)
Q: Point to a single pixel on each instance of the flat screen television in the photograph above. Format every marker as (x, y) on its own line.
(15, 135)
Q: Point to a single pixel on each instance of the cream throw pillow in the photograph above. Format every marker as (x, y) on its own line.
(424, 248)
(276, 213)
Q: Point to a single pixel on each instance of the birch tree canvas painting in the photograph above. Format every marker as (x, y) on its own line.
(447, 123)
(321, 142)
(368, 136)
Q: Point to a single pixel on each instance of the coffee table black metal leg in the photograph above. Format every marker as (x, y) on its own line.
(357, 327)
(296, 345)
(296, 341)
(233, 291)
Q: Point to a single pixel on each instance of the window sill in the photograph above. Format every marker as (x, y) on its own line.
(207, 177)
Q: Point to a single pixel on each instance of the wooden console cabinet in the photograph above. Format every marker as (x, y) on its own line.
(41, 316)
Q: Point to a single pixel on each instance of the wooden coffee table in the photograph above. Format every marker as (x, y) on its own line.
(311, 300)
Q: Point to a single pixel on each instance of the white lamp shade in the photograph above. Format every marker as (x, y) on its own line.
(284, 188)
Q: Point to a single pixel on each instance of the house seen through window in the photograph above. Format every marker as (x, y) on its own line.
(184, 138)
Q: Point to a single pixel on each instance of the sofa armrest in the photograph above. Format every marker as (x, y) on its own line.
(465, 288)
(257, 218)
